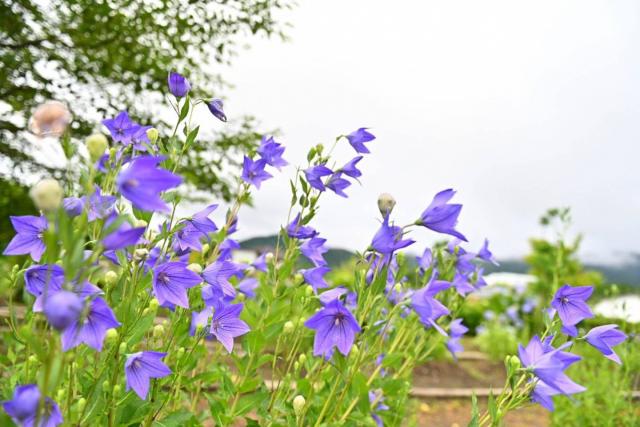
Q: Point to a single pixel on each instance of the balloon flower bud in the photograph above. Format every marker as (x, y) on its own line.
(62, 309)
(152, 134)
(112, 335)
(110, 278)
(96, 146)
(158, 331)
(47, 195)
(386, 202)
(298, 405)
(141, 254)
(196, 268)
(308, 290)
(288, 327)
(302, 358)
(153, 304)
(268, 257)
(123, 347)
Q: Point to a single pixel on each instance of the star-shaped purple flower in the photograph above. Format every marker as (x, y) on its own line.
(338, 184)
(441, 216)
(91, 329)
(388, 238)
(456, 331)
(357, 139)
(314, 175)
(315, 277)
(604, 338)
(298, 231)
(253, 171)
(98, 206)
(313, 250)
(226, 325)
(426, 306)
(142, 182)
(218, 274)
(272, 152)
(141, 367)
(171, 281)
(350, 168)
(118, 127)
(28, 239)
(570, 303)
(335, 326)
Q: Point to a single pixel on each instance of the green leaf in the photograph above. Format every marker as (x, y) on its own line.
(493, 410)
(176, 419)
(249, 402)
(475, 416)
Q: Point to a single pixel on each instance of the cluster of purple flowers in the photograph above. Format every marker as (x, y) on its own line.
(270, 152)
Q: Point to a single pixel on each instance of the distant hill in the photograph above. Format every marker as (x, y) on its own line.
(627, 273)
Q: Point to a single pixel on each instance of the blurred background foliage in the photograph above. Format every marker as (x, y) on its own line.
(100, 57)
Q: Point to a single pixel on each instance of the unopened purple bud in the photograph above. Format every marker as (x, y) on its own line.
(216, 108)
(178, 85)
(62, 309)
(72, 206)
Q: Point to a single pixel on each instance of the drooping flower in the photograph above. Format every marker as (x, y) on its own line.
(335, 326)
(72, 206)
(350, 168)
(98, 206)
(570, 303)
(388, 238)
(485, 254)
(313, 250)
(118, 127)
(604, 338)
(253, 171)
(260, 263)
(548, 365)
(357, 139)
(216, 107)
(337, 184)
(248, 287)
(28, 239)
(178, 85)
(226, 325)
(271, 152)
(218, 274)
(23, 408)
(63, 308)
(314, 175)
(92, 328)
(426, 306)
(456, 331)
(171, 281)
(298, 231)
(441, 216)
(462, 284)
(142, 182)
(140, 367)
(315, 277)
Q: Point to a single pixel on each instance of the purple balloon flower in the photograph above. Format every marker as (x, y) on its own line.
(485, 254)
(350, 168)
(98, 206)
(92, 328)
(253, 171)
(358, 138)
(218, 274)
(142, 182)
(124, 235)
(216, 108)
(137, 136)
(298, 231)
(456, 331)
(570, 303)
(28, 239)
(63, 308)
(604, 338)
(248, 287)
(195, 229)
(23, 408)
(315, 277)
(335, 293)
(260, 263)
(388, 238)
(226, 325)
(426, 306)
(335, 326)
(272, 152)
(337, 184)
(37, 278)
(313, 250)
(118, 127)
(72, 206)
(140, 367)
(178, 85)
(171, 281)
(425, 261)
(441, 216)
(314, 176)
(200, 318)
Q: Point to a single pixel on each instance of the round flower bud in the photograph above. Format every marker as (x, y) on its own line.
(296, 366)
(33, 359)
(319, 148)
(82, 402)
(241, 296)
(355, 350)
(110, 278)
(47, 195)
(152, 134)
(268, 257)
(96, 146)
(117, 389)
(308, 290)
(105, 385)
(60, 394)
(298, 405)
(50, 119)
(153, 304)
(302, 358)
(123, 347)
(141, 254)
(298, 278)
(158, 331)
(195, 267)
(180, 352)
(288, 327)
(514, 363)
(386, 202)
(62, 309)
(112, 335)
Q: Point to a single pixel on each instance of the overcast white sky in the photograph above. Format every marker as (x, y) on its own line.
(518, 106)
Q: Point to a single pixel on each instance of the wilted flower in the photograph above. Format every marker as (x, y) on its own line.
(358, 138)
(178, 85)
(50, 119)
(140, 367)
(604, 338)
(570, 303)
(253, 171)
(441, 216)
(171, 281)
(335, 326)
(23, 408)
(28, 239)
(226, 325)
(216, 108)
(142, 182)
